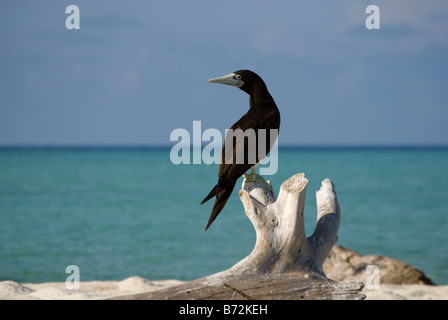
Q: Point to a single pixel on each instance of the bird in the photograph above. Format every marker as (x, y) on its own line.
(262, 114)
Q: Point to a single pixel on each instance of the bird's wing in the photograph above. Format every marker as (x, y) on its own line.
(245, 140)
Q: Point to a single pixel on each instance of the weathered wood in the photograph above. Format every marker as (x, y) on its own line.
(264, 286)
(281, 244)
(325, 235)
(284, 263)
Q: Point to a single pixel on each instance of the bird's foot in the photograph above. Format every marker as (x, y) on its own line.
(253, 177)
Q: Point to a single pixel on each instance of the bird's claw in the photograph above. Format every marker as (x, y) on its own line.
(253, 177)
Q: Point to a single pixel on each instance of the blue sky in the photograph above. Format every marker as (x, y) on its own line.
(136, 70)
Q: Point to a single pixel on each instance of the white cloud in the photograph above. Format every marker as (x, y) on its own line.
(407, 26)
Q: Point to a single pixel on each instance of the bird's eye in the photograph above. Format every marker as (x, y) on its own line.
(237, 77)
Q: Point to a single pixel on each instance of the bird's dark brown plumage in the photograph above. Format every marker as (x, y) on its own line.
(263, 114)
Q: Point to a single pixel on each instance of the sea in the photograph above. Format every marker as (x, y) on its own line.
(117, 212)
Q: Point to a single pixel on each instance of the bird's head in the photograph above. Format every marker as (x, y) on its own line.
(243, 79)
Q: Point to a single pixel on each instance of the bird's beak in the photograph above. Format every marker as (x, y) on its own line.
(232, 79)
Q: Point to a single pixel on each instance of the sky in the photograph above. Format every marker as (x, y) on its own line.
(135, 70)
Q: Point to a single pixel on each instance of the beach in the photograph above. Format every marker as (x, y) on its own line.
(99, 290)
(88, 290)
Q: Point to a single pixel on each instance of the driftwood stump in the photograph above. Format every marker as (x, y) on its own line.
(284, 263)
(281, 244)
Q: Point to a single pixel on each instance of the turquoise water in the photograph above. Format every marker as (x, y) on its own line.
(117, 213)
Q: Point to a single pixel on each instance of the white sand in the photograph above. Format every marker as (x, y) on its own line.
(407, 292)
(88, 290)
(94, 290)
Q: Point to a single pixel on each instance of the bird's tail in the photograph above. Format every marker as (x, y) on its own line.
(222, 196)
(210, 195)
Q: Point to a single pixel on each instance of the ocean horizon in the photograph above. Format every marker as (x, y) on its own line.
(120, 211)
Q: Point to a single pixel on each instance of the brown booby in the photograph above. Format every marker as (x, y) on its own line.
(263, 114)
